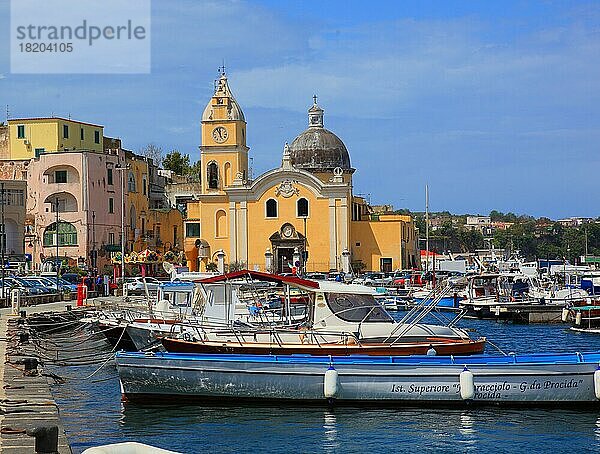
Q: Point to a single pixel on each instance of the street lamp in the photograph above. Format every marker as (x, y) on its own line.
(94, 256)
(304, 252)
(57, 251)
(2, 234)
(122, 169)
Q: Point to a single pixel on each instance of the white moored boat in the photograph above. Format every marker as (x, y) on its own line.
(552, 379)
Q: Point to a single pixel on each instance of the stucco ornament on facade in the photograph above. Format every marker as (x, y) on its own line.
(286, 189)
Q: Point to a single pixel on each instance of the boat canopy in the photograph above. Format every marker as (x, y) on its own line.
(257, 275)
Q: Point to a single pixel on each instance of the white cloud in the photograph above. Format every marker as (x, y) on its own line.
(387, 68)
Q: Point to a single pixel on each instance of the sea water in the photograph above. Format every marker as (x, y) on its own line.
(93, 414)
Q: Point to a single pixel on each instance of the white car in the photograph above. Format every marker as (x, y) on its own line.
(135, 285)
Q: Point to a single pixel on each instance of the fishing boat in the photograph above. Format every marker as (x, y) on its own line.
(538, 379)
(135, 328)
(336, 318)
(584, 319)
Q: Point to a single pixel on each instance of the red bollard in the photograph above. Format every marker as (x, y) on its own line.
(81, 294)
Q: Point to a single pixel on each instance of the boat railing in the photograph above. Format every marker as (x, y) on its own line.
(311, 336)
(422, 310)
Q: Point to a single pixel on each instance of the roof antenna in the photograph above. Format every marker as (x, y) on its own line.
(222, 68)
(7, 113)
(315, 99)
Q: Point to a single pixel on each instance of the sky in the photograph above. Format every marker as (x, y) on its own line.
(493, 104)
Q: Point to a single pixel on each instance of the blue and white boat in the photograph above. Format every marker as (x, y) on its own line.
(544, 379)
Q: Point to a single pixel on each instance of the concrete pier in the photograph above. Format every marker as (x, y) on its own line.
(25, 398)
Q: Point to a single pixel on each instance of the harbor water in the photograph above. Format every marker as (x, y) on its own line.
(93, 414)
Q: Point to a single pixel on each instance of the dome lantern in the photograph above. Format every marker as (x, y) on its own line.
(315, 115)
(318, 149)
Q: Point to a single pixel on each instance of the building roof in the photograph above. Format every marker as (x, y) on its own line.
(222, 90)
(54, 118)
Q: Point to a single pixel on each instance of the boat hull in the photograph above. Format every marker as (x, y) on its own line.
(536, 379)
(374, 349)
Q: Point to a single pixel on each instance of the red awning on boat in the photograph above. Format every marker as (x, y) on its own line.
(257, 275)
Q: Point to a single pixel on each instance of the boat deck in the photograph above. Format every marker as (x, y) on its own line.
(483, 360)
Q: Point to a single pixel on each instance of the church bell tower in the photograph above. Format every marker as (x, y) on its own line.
(223, 154)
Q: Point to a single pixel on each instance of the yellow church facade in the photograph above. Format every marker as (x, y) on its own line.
(300, 216)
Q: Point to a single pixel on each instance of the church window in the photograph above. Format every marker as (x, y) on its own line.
(302, 208)
(271, 208)
(213, 176)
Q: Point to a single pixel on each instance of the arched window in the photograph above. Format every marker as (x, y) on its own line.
(302, 208)
(271, 208)
(67, 234)
(213, 175)
(131, 182)
(221, 224)
(227, 174)
(132, 218)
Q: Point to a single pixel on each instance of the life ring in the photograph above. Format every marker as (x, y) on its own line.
(186, 336)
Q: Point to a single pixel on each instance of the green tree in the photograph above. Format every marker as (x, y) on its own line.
(177, 163)
(194, 172)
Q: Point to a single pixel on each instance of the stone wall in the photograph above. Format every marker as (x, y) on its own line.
(4, 148)
(13, 170)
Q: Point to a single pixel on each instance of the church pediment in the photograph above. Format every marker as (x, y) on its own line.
(287, 183)
(287, 232)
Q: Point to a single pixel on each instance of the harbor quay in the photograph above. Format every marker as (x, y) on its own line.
(30, 418)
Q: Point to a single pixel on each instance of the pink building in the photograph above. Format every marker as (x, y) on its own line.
(86, 187)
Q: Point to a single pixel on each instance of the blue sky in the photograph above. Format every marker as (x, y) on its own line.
(494, 104)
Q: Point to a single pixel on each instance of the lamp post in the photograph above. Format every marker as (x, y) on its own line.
(57, 251)
(304, 252)
(2, 234)
(93, 256)
(122, 169)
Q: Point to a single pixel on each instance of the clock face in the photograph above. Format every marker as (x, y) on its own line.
(219, 134)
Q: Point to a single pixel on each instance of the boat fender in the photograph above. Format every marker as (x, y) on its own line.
(564, 315)
(597, 382)
(330, 382)
(467, 384)
(578, 318)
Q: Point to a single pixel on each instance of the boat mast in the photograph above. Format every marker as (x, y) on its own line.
(426, 228)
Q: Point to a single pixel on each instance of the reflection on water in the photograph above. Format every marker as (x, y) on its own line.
(331, 443)
(93, 414)
(467, 429)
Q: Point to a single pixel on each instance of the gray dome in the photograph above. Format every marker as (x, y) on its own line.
(317, 148)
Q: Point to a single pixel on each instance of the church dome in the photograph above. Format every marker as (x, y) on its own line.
(318, 149)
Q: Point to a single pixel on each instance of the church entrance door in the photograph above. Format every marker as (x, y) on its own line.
(285, 259)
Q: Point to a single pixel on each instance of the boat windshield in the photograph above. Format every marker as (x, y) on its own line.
(357, 308)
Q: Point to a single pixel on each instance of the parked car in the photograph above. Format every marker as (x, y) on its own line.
(374, 279)
(33, 284)
(50, 282)
(73, 278)
(10, 283)
(135, 285)
(316, 276)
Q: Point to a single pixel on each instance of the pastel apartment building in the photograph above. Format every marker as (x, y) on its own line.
(75, 185)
